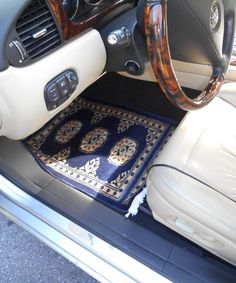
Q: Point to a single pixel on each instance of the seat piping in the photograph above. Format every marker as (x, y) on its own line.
(190, 176)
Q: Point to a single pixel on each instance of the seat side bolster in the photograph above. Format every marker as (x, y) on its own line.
(195, 194)
(173, 195)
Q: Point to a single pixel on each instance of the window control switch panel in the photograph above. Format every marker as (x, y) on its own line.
(59, 89)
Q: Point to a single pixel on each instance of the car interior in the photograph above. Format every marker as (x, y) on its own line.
(102, 99)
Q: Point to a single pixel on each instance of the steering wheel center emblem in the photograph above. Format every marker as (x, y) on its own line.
(214, 16)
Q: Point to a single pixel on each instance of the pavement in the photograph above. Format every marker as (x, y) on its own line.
(23, 258)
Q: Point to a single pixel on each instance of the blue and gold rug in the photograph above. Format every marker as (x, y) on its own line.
(101, 150)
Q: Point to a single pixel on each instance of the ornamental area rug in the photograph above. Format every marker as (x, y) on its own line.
(101, 150)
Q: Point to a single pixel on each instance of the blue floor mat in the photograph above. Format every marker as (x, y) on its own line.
(101, 150)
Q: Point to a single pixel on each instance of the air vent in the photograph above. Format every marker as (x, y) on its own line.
(37, 30)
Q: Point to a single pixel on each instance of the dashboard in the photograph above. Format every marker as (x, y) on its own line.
(76, 8)
(75, 16)
(50, 52)
(41, 26)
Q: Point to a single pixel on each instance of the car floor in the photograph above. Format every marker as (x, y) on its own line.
(142, 237)
(134, 94)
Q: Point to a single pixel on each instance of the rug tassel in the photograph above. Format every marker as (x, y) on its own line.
(138, 200)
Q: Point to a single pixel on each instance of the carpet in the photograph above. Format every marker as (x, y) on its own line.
(101, 150)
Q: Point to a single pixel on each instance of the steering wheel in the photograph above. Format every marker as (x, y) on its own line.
(156, 31)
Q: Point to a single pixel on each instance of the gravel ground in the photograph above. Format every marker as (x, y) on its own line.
(25, 259)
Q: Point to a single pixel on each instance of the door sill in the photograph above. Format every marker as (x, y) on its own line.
(95, 256)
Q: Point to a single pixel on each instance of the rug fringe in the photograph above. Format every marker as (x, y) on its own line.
(138, 200)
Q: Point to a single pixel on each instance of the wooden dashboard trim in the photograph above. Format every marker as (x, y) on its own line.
(71, 29)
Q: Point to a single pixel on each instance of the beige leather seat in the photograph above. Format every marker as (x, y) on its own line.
(192, 186)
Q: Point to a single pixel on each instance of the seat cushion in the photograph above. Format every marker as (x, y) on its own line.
(192, 185)
(204, 146)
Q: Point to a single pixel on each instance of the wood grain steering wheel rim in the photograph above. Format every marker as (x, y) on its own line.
(155, 23)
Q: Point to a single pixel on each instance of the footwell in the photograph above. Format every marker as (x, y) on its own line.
(101, 150)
